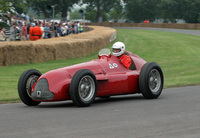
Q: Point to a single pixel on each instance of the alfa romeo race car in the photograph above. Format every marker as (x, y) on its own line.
(82, 83)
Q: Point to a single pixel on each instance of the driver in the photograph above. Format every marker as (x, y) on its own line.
(122, 55)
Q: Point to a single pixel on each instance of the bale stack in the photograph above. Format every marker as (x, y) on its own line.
(71, 46)
(155, 25)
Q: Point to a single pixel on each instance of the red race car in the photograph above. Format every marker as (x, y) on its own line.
(81, 83)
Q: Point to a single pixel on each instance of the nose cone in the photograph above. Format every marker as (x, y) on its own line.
(41, 91)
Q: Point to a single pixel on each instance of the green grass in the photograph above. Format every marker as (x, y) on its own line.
(177, 54)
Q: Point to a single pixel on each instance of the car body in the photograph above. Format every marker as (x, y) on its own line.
(81, 83)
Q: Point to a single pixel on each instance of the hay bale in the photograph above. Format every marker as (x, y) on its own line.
(16, 52)
(72, 46)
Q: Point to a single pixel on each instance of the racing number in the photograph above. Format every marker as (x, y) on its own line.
(113, 66)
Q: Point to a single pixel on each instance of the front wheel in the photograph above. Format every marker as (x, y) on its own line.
(83, 88)
(25, 84)
(151, 80)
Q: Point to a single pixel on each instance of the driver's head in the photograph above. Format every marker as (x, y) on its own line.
(118, 49)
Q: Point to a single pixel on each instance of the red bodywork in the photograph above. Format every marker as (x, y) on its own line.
(112, 77)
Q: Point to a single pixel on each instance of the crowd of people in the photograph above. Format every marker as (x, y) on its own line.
(24, 29)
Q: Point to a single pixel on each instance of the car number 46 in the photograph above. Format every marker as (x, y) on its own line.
(112, 66)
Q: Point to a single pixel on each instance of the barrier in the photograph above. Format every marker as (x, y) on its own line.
(71, 46)
(155, 25)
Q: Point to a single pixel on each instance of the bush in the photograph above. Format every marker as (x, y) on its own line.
(3, 24)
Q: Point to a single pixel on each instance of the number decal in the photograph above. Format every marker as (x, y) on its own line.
(113, 66)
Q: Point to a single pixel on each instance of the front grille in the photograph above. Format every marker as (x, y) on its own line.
(41, 91)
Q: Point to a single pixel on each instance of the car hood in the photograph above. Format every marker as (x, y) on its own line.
(65, 74)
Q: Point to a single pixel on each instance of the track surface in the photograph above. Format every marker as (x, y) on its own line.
(175, 114)
(191, 32)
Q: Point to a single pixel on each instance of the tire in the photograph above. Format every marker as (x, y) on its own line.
(83, 88)
(25, 83)
(151, 80)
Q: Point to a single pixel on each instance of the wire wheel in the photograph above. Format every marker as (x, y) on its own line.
(83, 88)
(154, 81)
(29, 84)
(25, 84)
(151, 80)
(86, 88)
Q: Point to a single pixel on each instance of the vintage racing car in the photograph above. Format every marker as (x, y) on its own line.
(81, 83)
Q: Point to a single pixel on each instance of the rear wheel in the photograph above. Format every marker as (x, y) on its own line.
(151, 80)
(25, 84)
(83, 88)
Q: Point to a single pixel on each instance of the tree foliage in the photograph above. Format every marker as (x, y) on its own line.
(61, 6)
(100, 10)
(4, 6)
(117, 11)
(139, 10)
(100, 7)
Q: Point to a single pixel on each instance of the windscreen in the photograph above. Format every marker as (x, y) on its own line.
(104, 52)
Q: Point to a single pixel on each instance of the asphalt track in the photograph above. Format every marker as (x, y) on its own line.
(191, 32)
(175, 114)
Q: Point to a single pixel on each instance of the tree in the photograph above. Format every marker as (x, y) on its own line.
(117, 11)
(61, 6)
(101, 7)
(5, 7)
(75, 15)
(188, 10)
(139, 10)
(180, 9)
(19, 5)
(91, 14)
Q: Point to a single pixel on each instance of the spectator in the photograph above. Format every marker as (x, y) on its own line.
(8, 22)
(13, 20)
(56, 29)
(35, 32)
(69, 29)
(32, 20)
(23, 15)
(24, 32)
(72, 26)
(2, 34)
(59, 30)
(47, 31)
(28, 28)
(80, 28)
(42, 28)
(27, 18)
(30, 31)
(18, 32)
(13, 32)
(75, 29)
(64, 30)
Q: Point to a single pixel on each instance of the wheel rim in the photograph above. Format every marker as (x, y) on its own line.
(86, 88)
(29, 84)
(154, 81)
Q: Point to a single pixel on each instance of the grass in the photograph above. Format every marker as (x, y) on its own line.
(177, 54)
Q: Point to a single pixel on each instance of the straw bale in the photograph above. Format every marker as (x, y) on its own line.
(161, 25)
(72, 46)
(14, 53)
(1, 57)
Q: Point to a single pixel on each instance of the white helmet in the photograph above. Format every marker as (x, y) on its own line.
(118, 45)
